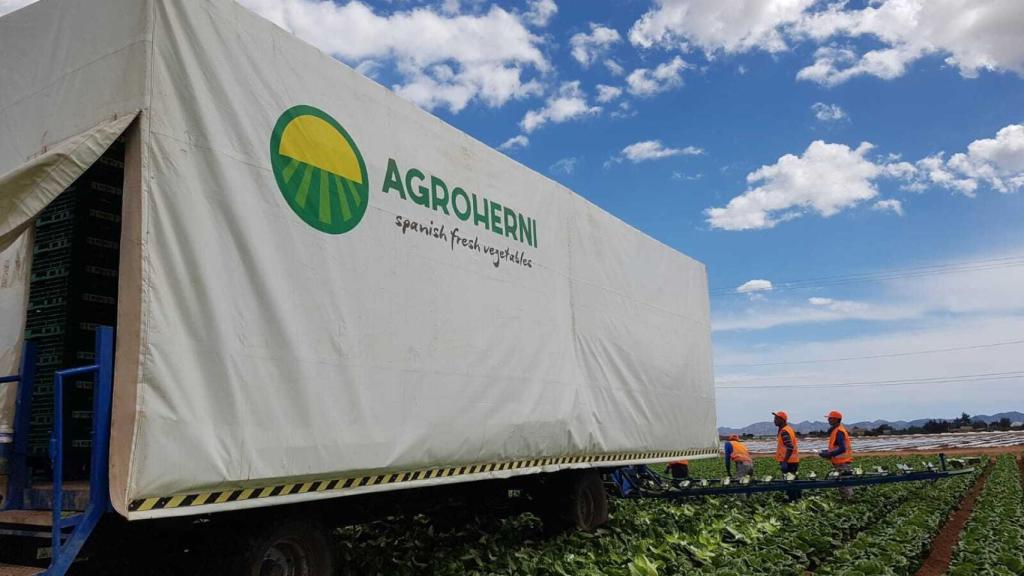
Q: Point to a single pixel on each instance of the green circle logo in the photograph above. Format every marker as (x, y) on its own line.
(319, 170)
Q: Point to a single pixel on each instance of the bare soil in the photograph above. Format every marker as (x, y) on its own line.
(941, 553)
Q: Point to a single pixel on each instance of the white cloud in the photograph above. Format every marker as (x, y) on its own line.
(997, 162)
(714, 25)
(973, 35)
(614, 67)
(446, 60)
(891, 205)
(540, 12)
(588, 48)
(828, 112)
(520, 141)
(758, 285)
(827, 178)
(570, 102)
(654, 150)
(607, 93)
(12, 5)
(647, 82)
(565, 166)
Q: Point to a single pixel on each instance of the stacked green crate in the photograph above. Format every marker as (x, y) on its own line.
(73, 289)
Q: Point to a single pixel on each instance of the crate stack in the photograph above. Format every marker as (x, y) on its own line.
(73, 290)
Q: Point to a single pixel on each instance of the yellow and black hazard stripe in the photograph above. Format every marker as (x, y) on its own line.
(354, 482)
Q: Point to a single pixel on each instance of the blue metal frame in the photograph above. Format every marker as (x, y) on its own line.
(64, 553)
(17, 482)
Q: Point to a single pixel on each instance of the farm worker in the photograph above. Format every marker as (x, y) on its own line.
(787, 452)
(840, 450)
(679, 469)
(736, 451)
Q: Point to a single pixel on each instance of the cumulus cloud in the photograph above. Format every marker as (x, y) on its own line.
(445, 60)
(607, 93)
(589, 47)
(826, 178)
(647, 82)
(565, 166)
(997, 162)
(614, 67)
(974, 36)
(891, 205)
(713, 25)
(570, 102)
(520, 141)
(540, 12)
(758, 285)
(828, 112)
(654, 150)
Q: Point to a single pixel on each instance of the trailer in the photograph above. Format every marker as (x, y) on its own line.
(237, 276)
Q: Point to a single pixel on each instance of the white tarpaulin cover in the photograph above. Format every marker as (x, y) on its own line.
(336, 284)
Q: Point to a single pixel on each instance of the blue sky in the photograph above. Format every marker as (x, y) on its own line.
(777, 141)
(707, 93)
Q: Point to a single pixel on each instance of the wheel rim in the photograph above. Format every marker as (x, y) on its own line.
(284, 558)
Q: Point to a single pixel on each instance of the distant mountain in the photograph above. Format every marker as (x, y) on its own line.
(768, 428)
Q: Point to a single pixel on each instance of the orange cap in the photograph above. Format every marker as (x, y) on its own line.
(733, 437)
(781, 414)
(834, 414)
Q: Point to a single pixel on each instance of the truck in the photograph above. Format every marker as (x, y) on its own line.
(243, 286)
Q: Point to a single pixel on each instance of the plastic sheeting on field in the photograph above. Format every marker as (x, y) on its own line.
(335, 282)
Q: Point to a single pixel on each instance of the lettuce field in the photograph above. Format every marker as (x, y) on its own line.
(885, 530)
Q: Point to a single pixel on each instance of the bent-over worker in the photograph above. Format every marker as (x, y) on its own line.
(736, 451)
(840, 450)
(679, 469)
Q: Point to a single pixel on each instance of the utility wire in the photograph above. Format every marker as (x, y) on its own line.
(874, 356)
(892, 274)
(885, 383)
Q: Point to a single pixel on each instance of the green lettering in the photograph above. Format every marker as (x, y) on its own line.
(393, 179)
(510, 223)
(438, 200)
(422, 198)
(495, 217)
(480, 219)
(525, 233)
(456, 194)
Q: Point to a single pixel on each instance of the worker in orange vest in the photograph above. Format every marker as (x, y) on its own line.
(840, 450)
(736, 451)
(787, 451)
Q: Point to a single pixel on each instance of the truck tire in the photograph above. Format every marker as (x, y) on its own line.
(588, 501)
(572, 500)
(287, 547)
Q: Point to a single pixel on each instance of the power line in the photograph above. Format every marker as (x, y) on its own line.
(885, 383)
(892, 274)
(874, 356)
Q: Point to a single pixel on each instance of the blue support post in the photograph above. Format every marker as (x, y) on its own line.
(99, 494)
(17, 482)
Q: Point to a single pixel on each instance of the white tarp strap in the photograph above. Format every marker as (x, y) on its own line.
(29, 188)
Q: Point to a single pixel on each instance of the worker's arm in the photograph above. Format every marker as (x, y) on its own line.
(787, 441)
(840, 446)
(728, 458)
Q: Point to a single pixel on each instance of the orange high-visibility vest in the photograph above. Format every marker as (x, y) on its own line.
(847, 456)
(739, 452)
(780, 448)
(679, 463)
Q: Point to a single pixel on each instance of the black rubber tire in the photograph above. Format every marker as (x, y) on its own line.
(571, 500)
(286, 547)
(588, 501)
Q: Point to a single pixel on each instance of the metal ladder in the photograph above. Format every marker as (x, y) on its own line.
(67, 530)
